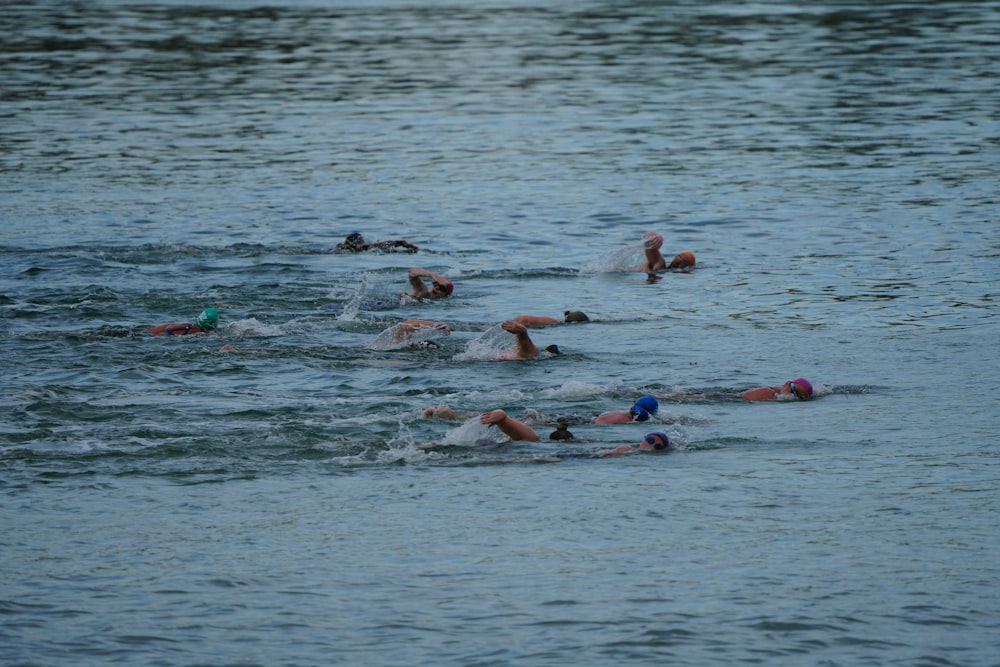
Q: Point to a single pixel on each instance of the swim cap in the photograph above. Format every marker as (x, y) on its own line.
(644, 407)
(208, 319)
(683, 260)
(561, 432)
(805, 387)
(661, 436)
(553, 349)
(447, 285)
(576, 316)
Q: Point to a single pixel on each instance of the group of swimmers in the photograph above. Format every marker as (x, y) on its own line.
(440, 287)
(524, 348)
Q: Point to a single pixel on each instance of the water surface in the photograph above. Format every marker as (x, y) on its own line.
(833, 166)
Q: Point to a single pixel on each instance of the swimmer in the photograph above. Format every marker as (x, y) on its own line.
(652, 442)
(682, 261)
(537, 321)
(207, 321)
(512, 428)
(356, 243)
(440, 288)
(799, 388)
(641, 410)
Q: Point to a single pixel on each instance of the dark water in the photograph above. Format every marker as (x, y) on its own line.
(834, 167)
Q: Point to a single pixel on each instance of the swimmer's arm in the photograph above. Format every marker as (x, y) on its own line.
(173, 329)
(512, 428)
(408, 327)
(654, 258)
(613, 418)
(536, 320)
(760, 394)
(420, 290)
(416, 272)
(617, 451)
(526, 347)
(444, 412)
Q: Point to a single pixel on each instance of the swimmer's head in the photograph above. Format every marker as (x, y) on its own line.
(354, 241)
(576, 316)
(644, 407)
(802, 388)
(208, 320)
(656, 441)
(553, 349)
(444, 288)
(682, 260)
(561, 432)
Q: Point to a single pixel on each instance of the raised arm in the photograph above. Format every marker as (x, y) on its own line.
(512, 428)
(526, 347)
(442, 285)
(536, 320)
(654, 258)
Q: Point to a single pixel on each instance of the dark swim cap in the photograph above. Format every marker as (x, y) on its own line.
(354, 240)
(561, 432)
(661, 436)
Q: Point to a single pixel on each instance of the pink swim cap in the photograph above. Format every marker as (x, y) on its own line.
(805, 387)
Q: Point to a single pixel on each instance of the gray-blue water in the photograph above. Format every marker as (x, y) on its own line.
(833, 165)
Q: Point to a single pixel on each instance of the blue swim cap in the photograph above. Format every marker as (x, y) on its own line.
(644, 407)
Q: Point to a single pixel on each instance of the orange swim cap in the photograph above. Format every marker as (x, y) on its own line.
(683, 260)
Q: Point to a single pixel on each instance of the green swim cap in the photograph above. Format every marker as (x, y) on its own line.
(208, 319)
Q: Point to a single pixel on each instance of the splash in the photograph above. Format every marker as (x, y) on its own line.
(577, 389)
(391, 340)
(623, 259)
(251, 326)
(488, 347)
(353, 305)
(473, 433)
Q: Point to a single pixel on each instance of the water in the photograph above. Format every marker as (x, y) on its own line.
(832, 165)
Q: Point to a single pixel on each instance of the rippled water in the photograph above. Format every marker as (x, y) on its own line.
(834, 167)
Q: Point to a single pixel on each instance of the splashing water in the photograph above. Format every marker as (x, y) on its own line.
(353, 305)
(487, 347)
(473, 433)
(390, 340)
(623, 259)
